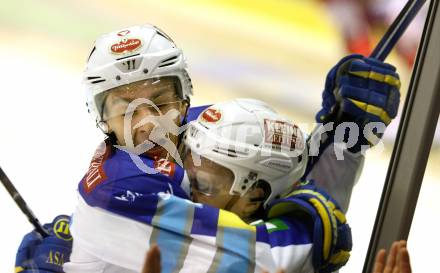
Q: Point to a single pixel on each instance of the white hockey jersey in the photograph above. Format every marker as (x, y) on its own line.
(122, 211)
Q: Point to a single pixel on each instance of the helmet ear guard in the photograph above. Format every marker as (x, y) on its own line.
(266, 188)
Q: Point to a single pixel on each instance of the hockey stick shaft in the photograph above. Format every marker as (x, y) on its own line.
(397, 28)
(21, 203)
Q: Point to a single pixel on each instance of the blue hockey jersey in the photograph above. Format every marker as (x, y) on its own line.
(122, 211)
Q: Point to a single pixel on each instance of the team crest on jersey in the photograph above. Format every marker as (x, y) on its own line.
(95, 174)
(165, 167)
(126, 45)
(211, 115)
(282, 134)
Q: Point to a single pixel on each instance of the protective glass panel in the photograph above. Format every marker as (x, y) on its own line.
(425, 223)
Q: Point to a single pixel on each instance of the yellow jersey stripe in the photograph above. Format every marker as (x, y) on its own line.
(229, 219)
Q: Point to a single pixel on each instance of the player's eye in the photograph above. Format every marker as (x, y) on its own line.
(203, 187)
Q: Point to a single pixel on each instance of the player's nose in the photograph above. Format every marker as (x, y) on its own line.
(143, 116)
(143, 112)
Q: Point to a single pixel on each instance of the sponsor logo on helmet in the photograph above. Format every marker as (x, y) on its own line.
(123, 32)
(281, 134)
(126, 46)
(211, 115)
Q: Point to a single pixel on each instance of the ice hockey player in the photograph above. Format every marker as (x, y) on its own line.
(247, 158)
(169, 176)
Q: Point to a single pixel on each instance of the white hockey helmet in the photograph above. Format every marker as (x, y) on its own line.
(252, 140)
(129, 55)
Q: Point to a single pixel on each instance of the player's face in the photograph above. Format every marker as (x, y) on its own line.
(211, 184)
(159, 92)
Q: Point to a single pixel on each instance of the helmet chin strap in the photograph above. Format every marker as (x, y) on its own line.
(232, 202)
(180, 144)
(103, 126)
(252, 176)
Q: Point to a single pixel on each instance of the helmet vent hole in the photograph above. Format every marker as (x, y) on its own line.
(98, 81)
(230, 152)
(90, 55)
(170, 61)
(118, 78)
(300, 158)
(95, 79)
(126, 57)
(161, 33)
(145, 70)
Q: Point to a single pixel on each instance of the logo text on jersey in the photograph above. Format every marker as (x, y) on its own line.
(95, 174)
(165, 167)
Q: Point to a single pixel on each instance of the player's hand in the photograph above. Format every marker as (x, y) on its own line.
(360, 90)
(44, 255)
(152, 261)
(396, 262)
(331, 234)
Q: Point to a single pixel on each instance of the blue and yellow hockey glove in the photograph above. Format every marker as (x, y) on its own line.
(44, 255)
(360, 90)
(331, 234)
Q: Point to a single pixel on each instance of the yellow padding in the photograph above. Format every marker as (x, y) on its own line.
(340, 216)
(391, 80)
(18, 269)
(340, 258)
(229, 219)
(326, 224)
(280, 209)
(377, 111)
(330, 217)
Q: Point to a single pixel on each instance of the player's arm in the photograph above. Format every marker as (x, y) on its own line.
(322, 217)
(119, 213)
(363, 91)
(201, 236)
(361, 94)
(48, 254)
